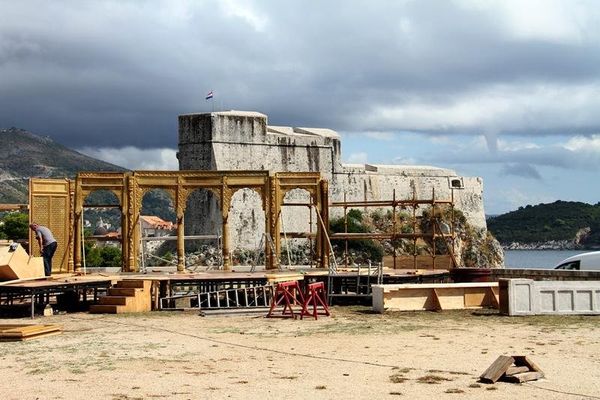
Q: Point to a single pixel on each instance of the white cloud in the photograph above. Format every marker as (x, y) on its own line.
(134, 158)
(518, 108)
(584, 143)
(386, 136)
(241, 9)
(358, 158)
(516, 145)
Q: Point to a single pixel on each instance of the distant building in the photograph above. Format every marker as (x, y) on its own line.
(153, 226)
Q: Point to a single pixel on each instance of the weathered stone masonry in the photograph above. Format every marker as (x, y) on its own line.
(238, 140)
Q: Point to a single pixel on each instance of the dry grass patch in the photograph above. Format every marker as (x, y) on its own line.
(432, 379)
(398, 378)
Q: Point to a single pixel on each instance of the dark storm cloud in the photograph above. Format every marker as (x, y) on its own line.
(115, 73)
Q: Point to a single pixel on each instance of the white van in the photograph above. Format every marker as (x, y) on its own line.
(584, 261)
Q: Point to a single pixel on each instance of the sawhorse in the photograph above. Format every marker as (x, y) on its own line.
(287, 294)
(315, 296)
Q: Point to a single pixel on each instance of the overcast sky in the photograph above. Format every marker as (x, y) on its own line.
(505, 90)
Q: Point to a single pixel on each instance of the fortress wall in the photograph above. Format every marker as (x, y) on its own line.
(372, 186)
(237, 140)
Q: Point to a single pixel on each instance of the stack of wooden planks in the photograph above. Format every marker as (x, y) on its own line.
(515, 369)
(21, 332)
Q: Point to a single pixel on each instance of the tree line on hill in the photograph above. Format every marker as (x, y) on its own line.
(567, 221)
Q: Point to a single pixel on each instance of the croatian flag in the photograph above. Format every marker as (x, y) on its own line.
(209, 95)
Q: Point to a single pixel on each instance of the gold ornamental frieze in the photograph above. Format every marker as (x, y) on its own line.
(59, 203)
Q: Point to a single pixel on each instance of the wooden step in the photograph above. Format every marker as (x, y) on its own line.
(116, 291)
(114, 300)
(128, 296)
(105, 309)
(131, 283)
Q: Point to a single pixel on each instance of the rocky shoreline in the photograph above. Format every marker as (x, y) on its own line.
(550, 245)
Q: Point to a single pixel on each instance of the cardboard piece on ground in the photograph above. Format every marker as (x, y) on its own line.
(16, 264)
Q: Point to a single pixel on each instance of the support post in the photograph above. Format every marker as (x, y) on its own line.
(181, 198)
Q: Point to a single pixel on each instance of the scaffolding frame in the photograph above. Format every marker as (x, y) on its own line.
(414, 203)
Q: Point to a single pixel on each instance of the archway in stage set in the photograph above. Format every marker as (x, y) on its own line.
(299, 222)
(101, 230)
(157, 224)
(130, 187)
(247, 222)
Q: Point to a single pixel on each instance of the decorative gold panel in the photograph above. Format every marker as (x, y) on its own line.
(52, 205)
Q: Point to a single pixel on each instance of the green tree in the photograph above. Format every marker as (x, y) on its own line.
(111, 257)
(15, 226)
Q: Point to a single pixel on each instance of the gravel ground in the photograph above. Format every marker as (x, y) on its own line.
(354, 354)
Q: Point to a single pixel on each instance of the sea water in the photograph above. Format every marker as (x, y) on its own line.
(546, 259)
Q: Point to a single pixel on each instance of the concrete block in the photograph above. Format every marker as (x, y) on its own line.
(528, 297)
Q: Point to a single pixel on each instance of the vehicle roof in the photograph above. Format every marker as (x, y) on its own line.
(582, 256)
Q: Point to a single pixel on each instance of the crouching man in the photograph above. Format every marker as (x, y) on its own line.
(47, 245)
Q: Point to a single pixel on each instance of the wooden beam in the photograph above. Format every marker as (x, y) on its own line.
(497, 369)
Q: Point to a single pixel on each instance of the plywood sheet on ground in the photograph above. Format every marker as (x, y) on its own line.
(20, 332)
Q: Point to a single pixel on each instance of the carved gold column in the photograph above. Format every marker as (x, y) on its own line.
(323, 206)
(78, 207)
(266, 201)
(225, 204)
(180, 204)
(73, 227)
(131, 208)
(275, 201)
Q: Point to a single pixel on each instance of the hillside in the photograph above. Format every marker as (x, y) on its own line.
(24, 155)
(565, 221)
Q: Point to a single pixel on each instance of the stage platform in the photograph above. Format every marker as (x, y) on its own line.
(39, 291)
(85, 289)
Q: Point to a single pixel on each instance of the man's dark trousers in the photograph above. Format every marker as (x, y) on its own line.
(48, 253)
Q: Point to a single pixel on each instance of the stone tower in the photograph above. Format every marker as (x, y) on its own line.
(240, 140)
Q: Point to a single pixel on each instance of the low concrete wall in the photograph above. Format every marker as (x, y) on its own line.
(529, 297)
(495, 274)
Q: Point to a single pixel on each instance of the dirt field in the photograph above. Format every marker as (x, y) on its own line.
(352, 355)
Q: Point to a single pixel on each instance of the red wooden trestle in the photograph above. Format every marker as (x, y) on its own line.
(287, 294)
(315, 296)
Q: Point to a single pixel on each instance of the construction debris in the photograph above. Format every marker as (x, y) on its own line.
(16, 264)
(515, 369)
(21, 332)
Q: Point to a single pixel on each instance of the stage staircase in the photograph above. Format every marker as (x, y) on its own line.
(127, 296)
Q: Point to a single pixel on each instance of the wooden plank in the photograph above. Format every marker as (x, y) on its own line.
(526, 361)
(435, 300)
(516, 370)
(492, 298)
(497, 369)
(16, 333)
(524, 377)
(450, 298)
(22, 339)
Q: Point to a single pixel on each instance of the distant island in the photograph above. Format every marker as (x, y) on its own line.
(562, 225)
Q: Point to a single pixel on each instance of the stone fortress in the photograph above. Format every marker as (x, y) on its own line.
(240, 140)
